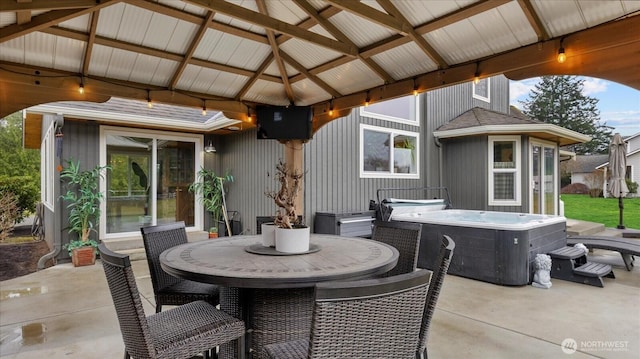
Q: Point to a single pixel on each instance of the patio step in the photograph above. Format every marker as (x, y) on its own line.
(583, 228)
(134, 247)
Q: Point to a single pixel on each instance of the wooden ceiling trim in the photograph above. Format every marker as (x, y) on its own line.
(340, 36)
(323, 85)
(422, 43)
(367, 12)
(33, 5)
(195, 19)
(265, 21)
(47, 19)
(23, 17)
(325, 13)
(253, 78)
(275, 50)
(192, 48)
(534, 19)
(90, 41)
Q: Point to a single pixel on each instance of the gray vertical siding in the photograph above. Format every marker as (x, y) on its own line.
(81, 143)
(332, 181)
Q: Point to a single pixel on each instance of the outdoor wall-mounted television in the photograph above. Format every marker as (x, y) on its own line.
(284, 122)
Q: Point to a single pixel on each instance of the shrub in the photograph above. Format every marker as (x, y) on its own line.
(8, 214)
(575, 188)
(26, 191)
(633, 186)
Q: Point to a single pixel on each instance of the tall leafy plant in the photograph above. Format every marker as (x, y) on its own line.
(83, 197)
(210, 187)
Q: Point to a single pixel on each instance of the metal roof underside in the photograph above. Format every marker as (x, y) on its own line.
(231, 55)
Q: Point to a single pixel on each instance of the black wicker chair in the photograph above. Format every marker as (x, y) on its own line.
(405, 237)
(180, 332)
(372, 318)
(167, 289)
(444, 258)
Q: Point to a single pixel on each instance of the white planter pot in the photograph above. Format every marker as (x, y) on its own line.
(268, 234)
(292, 240)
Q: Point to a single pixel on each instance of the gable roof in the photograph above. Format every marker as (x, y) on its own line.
(589, 163)
(480, 121)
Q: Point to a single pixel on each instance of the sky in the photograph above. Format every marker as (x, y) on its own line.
(619, 105)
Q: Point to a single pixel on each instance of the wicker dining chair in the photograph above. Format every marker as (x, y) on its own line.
(180, 332)
(371, 318)
(167, 289)
(442, 265)
(405, 237)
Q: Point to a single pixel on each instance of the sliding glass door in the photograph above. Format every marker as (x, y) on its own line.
(544, 193)
(149, 179)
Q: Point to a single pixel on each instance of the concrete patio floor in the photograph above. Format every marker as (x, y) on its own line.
(67, 312)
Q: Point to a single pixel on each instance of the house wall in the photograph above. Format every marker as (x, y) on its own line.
(81, 143)
(332, 181)
(634, 161)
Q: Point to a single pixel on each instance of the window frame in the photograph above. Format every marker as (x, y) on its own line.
(392, 132)
(47, 167)
(517, 171)
(414, 120)
(156, 135)
(482, 97)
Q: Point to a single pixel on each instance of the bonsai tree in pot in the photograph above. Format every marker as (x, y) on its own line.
(286, 217)
(210, 187)
(83, 197)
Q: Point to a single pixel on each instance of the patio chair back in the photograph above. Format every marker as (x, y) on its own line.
(180, 332)
(167, 289)
(126, 298)
(442, 265)
(156, 240)
(405, 237)
(374, 318)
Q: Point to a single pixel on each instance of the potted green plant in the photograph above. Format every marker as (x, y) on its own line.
(210, 187)
(83, 197)
(291, 235)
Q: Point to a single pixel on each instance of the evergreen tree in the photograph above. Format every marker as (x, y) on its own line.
(560, 100)
(19, 167)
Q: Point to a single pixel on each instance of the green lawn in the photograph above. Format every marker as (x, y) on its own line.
(601, 210)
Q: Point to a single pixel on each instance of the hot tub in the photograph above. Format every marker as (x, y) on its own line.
(495, 247)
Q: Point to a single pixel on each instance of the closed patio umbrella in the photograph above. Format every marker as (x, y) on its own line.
(618, 166)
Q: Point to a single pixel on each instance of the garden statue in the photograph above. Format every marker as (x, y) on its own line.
(542, 276)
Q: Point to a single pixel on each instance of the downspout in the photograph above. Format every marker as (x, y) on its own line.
(39, 221)
(440, 166)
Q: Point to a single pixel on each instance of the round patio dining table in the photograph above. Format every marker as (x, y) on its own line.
(272, 292)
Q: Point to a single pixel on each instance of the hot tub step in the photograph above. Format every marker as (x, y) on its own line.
(566, 253)
(591, 269)
(571, 264)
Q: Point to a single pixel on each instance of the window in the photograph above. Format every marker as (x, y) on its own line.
(482, 90)
(388, 153)
(504, 171)
(47, 153)
(402, 109)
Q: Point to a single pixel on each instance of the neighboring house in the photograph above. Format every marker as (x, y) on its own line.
(633, 162)
(584, 167)
(463, 137)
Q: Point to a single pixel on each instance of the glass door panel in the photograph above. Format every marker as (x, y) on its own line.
(536, 163)
(543, 179)
(549, 180)
(175, 172)
(128, 183)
